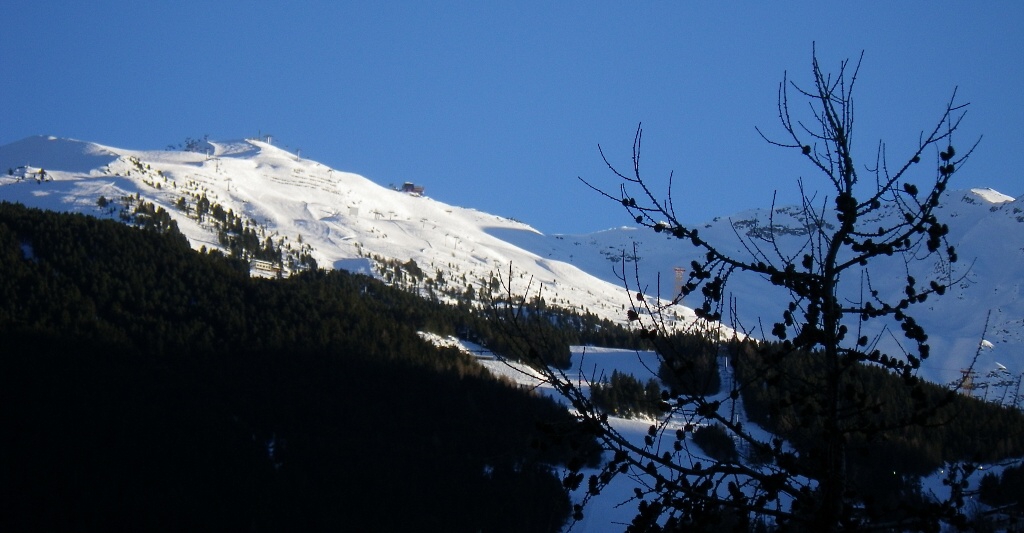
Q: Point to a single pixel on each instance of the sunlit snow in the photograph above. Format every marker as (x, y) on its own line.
(347, 220)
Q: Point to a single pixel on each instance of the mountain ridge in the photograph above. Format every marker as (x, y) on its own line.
(347, 221)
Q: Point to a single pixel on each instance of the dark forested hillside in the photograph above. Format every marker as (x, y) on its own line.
(147, 386)
(887, 461)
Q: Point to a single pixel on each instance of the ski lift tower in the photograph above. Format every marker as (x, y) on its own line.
(680, 276)
(968, 381)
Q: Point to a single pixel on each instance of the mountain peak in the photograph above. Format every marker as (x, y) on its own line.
(55, 153)
(991, 196)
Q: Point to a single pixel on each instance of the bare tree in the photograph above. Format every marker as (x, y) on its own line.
(808, 488)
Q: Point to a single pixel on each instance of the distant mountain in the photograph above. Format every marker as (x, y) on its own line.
(986, 228)
(309, 213)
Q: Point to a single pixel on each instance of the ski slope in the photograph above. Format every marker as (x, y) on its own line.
(348, 221)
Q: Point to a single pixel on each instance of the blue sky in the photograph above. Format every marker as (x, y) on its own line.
(501, 105)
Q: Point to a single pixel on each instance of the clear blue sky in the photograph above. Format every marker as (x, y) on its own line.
(501, 105)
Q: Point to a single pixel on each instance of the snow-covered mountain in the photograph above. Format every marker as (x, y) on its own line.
(983, 308)
(343, 220)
